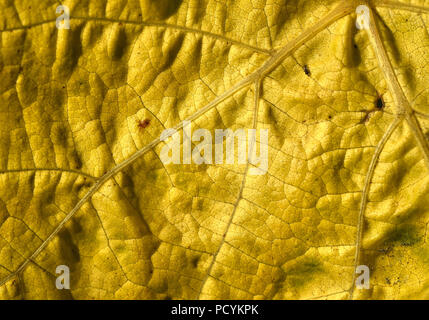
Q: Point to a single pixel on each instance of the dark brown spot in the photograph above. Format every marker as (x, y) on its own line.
(194, 261)
(307, 70)
(143, 124)
(379, 102)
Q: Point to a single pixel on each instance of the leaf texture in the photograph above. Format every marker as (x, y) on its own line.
(82, 184)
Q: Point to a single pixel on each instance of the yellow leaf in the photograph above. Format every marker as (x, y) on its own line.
(83, 183)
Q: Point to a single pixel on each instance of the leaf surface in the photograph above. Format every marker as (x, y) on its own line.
(82, 183)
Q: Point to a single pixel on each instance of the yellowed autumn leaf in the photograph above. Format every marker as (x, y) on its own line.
(82, 183)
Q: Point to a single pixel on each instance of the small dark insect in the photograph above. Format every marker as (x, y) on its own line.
(379, 102)
(143, 124)
(307, 71)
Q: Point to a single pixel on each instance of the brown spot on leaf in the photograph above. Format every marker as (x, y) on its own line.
(307, 70)
(143, 124)
(194, 261)
(379, 102)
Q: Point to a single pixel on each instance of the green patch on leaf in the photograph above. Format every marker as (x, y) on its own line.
(405, 236)
(303, 271)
